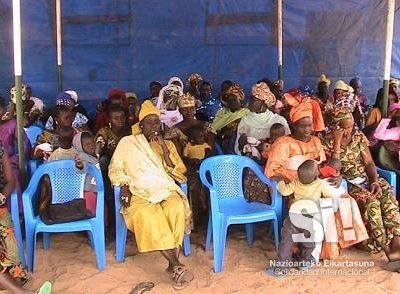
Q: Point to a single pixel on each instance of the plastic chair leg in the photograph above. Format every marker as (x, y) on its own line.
(219, 247)
(187, 248)
(46, 241)
(276, 233)
(90, 236)
(209, 233)
(99, 246)
(30, 247)
(120, 244)
(18, 237)
(250, 234)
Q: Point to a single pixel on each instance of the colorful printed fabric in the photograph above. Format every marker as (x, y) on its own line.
(381, 216)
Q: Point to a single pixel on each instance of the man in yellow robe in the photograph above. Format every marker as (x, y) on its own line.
(155, 209)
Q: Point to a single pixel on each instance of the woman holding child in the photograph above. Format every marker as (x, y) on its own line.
(253, 137)
(373, 194)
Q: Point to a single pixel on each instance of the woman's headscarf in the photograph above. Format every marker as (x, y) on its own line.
(262, 92)
(194, 77)
(118, 93)
(303, 106)
(146, 109)
(186, 100)
(235, 90)
(23, 94)
(65, 99)
(324, 79)
(77, 143)
(341, 114)
(176, 79)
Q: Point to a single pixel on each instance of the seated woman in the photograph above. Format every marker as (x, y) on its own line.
(8, 135)
(64, 117)
(227, 119)
(373, 194)
(300, 143)
(387, 133)
(375, 115)
(154, 207)
(12, 275)
(256, 126)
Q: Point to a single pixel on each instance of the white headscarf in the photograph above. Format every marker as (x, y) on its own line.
(176, 79)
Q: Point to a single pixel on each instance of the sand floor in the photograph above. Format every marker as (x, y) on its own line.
(70, 265)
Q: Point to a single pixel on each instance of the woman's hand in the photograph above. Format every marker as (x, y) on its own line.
(338, 134)
(157, 138)
(125, 196)
(376, 190)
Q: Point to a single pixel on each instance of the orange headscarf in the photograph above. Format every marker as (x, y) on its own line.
(303, 106)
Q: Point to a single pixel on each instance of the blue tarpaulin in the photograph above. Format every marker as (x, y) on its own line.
(126, 43)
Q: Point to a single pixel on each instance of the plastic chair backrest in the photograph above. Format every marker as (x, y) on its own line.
(33, 133)
(66, 182)
(226, 172)
(226, 175)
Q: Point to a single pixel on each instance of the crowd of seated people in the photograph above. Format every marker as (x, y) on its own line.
(148, 148)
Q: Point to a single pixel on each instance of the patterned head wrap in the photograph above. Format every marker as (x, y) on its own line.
(186, 100)
(304, 106)
(194, 77)
(235, 90)
(172, 91)
(394, 81)
(262, 92)
(23, 94)
(341, 114)
(65, 99)
(324, 79)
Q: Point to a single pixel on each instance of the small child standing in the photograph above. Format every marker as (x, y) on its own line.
(197, 149)
(307, 187)
(276, 131)
(193, 153)
(84, 143)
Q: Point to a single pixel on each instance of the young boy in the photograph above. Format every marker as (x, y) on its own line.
(307, 187)
(65, 151)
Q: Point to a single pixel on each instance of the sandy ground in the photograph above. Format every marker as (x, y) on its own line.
(70, 265)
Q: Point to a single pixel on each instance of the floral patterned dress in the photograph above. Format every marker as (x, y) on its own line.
(381, 215)
(9, 258)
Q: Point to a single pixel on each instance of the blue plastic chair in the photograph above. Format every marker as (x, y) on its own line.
(389, 176)
(121, 230)
(228, 205)
(66, 184)
(33, 132)
(17, 228)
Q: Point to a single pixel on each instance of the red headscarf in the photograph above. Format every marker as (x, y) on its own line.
(304, 106)
(118, 93)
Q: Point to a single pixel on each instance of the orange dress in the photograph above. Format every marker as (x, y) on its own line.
(286, 147)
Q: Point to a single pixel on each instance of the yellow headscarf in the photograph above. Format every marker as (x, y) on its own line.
(147, 109)
(324, 79)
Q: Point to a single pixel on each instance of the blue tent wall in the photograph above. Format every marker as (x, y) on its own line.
(126, 43)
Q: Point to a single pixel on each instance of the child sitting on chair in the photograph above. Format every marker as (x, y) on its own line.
(307, 187)
(84, 143)
(65, 151)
